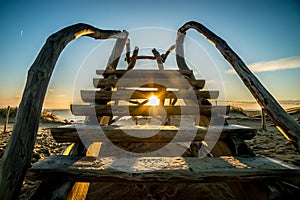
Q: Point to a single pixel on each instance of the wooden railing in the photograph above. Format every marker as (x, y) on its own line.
(17, 156)
(287, 125)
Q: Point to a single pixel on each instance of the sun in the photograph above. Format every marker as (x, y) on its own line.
(153, 101)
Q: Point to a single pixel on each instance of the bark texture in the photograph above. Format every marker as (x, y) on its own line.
(17, 157)
(289, 127)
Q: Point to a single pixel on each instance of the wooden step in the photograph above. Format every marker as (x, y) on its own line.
(125, 110)
(91, 96)
(150, 134)
(147, 73)
(162, 169)
(155, 83)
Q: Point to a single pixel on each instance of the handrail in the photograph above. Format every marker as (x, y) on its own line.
(17, 156)
(287, 125)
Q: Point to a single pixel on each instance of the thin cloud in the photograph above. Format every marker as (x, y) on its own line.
(274, 65)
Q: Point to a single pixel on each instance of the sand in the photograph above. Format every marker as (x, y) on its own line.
(268, 142)
(45, 146)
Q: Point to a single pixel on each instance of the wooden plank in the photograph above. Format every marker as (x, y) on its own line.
(155, 83)
(146, 73)
(80, 189)
(92, 96)
(125, 110)
(162, 169)
(149, 134)
(222, 149)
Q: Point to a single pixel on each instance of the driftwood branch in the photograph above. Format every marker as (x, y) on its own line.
(165, 55)
(127, 58)
(286, 123)
(143, 58)
(17, 156)
(133, 58)
(180, 51)
(116, 53)
(158, 59)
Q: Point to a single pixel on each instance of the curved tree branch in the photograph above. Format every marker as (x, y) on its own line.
(17, 156)
(165, 55)
(286, 123)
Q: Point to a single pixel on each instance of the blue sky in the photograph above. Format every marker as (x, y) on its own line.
(265, 34)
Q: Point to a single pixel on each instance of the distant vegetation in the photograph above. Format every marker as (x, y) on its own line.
(237, 110)
(12, 112)
(46, 116)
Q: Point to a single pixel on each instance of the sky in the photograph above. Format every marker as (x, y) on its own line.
(265, 34)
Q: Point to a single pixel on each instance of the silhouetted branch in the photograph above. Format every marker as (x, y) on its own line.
(285, 123)
(17, 156)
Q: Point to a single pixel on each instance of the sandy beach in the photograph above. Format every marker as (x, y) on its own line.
(45, 146)
(268, 142)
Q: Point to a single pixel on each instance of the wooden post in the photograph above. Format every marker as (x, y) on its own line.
(116, 52)
(263, 120)
(6, 119)
(285, 123)
(159, 59)
(17, 156)
(127, 58)
(133, 59)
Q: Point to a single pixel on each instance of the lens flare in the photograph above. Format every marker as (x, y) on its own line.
(153, 101)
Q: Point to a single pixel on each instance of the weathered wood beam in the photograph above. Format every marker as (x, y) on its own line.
(127, 58)
(286, 123)
(158, 58)
(91, 96)
(116, 53)
(125, 110)
(133, 58)
(163, 169)
(165, 55)
(17, 156)
(144, 58)
(180, 57)
(163, 134)
(145, 72)
(129, 82)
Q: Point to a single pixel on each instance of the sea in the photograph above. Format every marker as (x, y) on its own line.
(66, 114)
(252, 108)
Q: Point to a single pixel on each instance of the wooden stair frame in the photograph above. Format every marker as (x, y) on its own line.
(231, 141)
(17, 157)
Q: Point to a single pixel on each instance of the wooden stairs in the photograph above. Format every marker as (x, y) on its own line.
(216, 164)
(230, 161)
